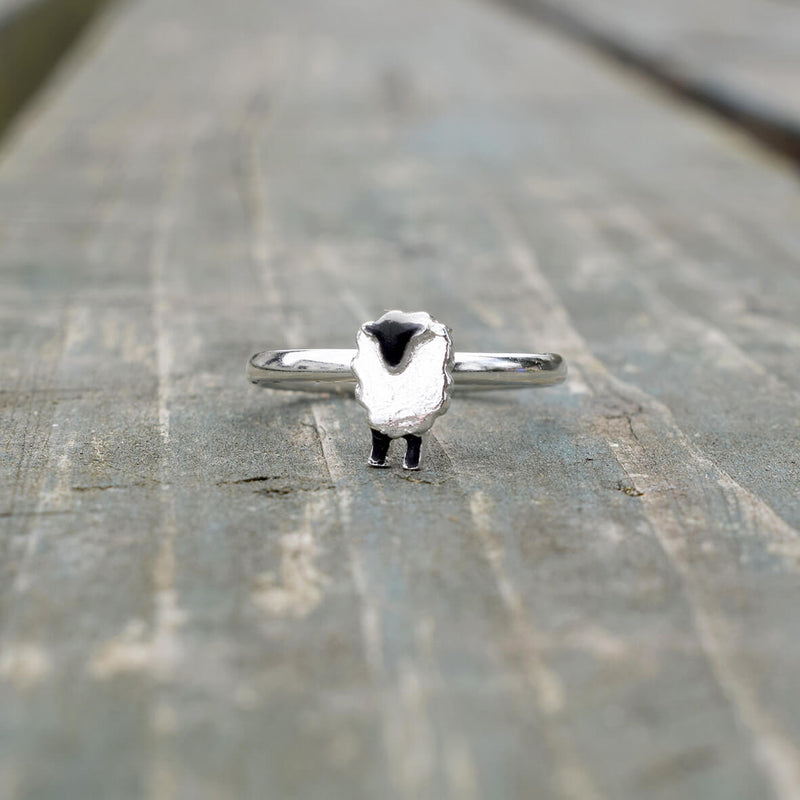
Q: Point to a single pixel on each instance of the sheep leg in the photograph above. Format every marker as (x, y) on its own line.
(380, 447)
(413, 450)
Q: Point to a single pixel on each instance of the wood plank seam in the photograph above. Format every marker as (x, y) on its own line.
(767, 127)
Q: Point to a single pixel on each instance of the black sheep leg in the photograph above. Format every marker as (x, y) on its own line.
(413, 448)
(380, 447)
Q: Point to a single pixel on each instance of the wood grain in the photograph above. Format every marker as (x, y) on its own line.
(589, 592)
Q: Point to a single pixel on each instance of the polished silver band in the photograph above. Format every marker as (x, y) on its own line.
(329, 370)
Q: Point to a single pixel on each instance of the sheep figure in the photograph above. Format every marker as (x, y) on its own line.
(403, 368)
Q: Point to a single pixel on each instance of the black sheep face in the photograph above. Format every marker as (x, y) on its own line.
(394, 336)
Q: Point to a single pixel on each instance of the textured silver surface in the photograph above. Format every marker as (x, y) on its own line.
(407, 398)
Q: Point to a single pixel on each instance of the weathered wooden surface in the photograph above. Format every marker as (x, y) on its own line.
(590, 592)
(739, 58)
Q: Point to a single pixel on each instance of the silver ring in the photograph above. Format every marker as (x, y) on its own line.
(403, 371)
(319, 370)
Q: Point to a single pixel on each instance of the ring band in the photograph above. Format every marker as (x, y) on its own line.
(323, 370)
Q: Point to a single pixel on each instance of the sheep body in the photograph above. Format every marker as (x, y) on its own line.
(406, 398)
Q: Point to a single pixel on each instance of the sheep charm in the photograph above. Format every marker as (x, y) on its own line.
(404, 372)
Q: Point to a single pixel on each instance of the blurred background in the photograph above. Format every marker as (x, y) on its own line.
(738, 58)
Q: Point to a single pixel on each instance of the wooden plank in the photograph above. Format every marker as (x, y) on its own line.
(34, 35)
(589, 592)
(738, 58)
